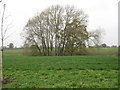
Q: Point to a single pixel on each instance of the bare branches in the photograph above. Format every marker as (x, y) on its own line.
(2, 22)
(95, 36)
(59, 29)
(5, 30)
(3, 27)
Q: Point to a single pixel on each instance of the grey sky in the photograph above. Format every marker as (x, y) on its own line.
(102, 13)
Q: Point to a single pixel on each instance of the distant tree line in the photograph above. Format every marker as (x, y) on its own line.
(104, 46)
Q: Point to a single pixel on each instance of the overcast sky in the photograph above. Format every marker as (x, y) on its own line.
(102, 14)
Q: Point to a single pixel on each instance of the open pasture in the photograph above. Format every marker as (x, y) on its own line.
(60, 71)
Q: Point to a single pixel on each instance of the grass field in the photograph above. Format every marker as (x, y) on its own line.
(103, 51)
(60, 71)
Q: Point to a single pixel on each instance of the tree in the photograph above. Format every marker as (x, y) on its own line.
(58, 31)
(114, 46)
(94, 37)
(1, 78)
(2, 39)
(104, 45)
(11, 45)
(3, 35)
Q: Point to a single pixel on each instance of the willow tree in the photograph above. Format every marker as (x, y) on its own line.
(58, 31)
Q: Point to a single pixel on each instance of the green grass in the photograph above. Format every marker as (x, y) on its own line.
(63, 79)
(91, 51)
(60, 62)
(14, 52)
(103, 51)
(60, 71)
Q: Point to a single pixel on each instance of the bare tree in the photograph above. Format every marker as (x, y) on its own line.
(3, 35)
(57, 30)
(1, 62)
(2, 38)
(2, 31)
(96, 36)
(60, 31)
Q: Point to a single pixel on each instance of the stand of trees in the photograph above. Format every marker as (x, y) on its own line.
(58, 31)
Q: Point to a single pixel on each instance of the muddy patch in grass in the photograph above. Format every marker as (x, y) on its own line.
(6, 81)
